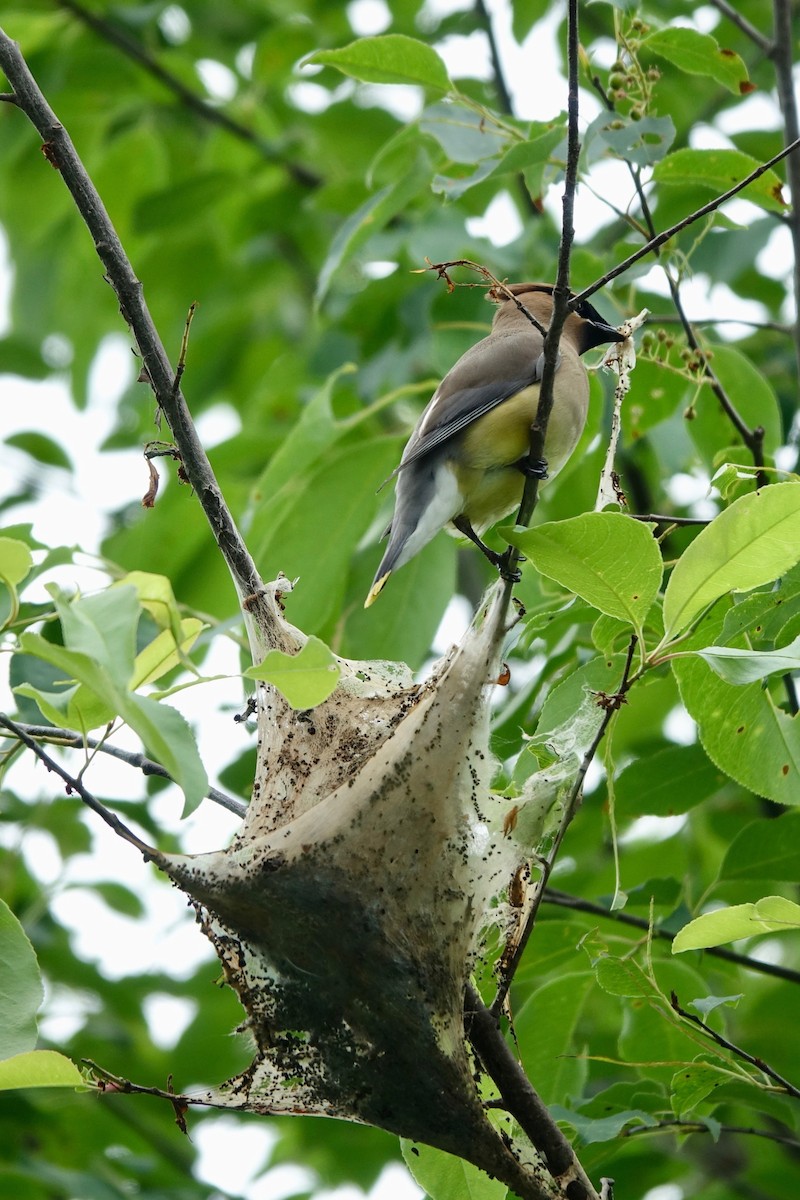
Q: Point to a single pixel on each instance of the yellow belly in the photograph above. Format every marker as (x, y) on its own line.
(486, 451)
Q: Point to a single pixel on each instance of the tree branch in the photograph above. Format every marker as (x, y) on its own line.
(194, 102)
(654, 243)
(74, 785)
(561, 296)
(742, 23)
(522, 1100)
(62, 155)
(752, 438)
(758, 1063)
(76, 741)
(781, 53)
(700, 1127)
(564, 900)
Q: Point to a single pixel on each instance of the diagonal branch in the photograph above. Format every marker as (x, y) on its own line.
(752, 438)
(745, 1056)
(61, 153)
(781, 55)
(565, 900)
(76, 741)
(654, 243)
(750, 31)
(74, 785)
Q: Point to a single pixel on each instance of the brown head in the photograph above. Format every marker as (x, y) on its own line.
(584, 327)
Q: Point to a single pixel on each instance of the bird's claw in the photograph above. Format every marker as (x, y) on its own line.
(534, 470)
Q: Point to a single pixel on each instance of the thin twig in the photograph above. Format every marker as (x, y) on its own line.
(76, 741)
(654, 243)
(510, 959)
(62, 154)
(758, 1063)
(194, 102)
(701, 1127)
(742, 23)
(663, 519)
(781, 53)
(74, 785)
(565, 900)
(752, 438)
(561, 300)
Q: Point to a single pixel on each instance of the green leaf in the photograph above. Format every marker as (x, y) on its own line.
(707, 1004)
(365, 222)
(765, 849)
(168, 739)
(464, 135)
(15, 561)
(741, 728)
(102, 628)
(591, 1130)
(721, 170)
(392, 58)
(37, 1069)
(547, 1032)
(21, 991)
(747, 545)
(622, 977)
(161, 655)
(535, 151)
(699, 54)
(41, 448)
(746, 666)
(773, 914)
(694, 1083)
(300, 542)
(666, 783)
(444, 1177)
(120, 898)
(643, 142)
(166, 734)
(608, 559)
(304, 679)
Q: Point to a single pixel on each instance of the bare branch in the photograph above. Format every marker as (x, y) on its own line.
(781, 54)
(699, 1127)
(654, 243)
(564, 900)
(745, 1056)
(522, 1100)
(750, 31)
(62, 154)
(74, 785)
(561, 298)
(76, 741)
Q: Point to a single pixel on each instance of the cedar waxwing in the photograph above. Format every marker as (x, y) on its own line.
(465, 462)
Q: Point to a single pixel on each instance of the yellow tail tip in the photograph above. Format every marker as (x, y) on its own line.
(376, 589)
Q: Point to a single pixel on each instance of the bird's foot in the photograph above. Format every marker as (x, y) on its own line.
(537, 469)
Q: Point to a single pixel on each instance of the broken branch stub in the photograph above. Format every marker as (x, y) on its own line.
(349, 907)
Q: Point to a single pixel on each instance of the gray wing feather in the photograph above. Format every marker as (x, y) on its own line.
(489, 373)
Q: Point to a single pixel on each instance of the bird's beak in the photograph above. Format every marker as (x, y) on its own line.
(599, 333)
